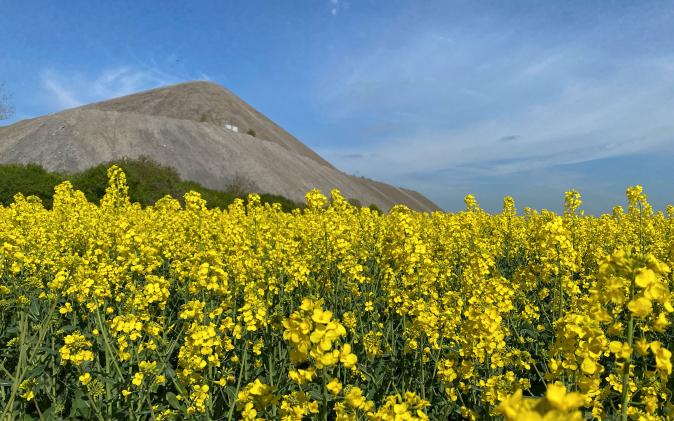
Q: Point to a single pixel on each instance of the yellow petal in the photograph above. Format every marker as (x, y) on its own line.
(645, 278)
(588, 366)
(640, 307)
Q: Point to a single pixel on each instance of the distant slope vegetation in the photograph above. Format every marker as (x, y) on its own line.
(189, 127)
(148, 182)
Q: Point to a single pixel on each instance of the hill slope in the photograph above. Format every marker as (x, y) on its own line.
(183, 126)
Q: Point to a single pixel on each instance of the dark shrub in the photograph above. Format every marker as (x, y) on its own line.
(148, 182)
(30, 179)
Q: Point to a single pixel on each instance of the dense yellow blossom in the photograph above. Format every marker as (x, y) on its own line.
(178, 311)
(557, 405)
(76, 349)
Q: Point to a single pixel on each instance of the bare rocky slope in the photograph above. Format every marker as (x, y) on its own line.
(183, 126)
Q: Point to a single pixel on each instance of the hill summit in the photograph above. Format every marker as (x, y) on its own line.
(204, 131)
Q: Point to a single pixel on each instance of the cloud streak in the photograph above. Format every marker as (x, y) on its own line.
(466, 95)
(73, 90)
(61, 95)
(338, 6)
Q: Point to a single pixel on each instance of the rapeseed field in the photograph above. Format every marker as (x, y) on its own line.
(333, 312)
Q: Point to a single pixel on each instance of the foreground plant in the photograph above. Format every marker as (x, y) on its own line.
(114, 311)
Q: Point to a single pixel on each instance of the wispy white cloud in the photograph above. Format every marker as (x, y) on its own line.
(62, 96)
(337, 6)
(465, 92)
(67, 90)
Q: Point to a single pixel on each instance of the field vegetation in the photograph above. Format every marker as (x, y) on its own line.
(147, 180)
(175, 310)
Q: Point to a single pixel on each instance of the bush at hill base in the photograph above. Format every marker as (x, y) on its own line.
(148, 181)
(115, 311)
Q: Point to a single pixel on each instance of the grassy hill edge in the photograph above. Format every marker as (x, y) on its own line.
(148, 182)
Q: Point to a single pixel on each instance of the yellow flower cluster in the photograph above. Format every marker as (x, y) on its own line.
(177, 311)
(407, 407)
(202, 348)
(255, 397)
(76, 349)
(198, 397)
(312, 333)
(557, 405)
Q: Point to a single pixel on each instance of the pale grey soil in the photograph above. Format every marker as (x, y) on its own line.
(183, 126)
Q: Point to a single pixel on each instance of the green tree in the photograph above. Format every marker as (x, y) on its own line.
(148, 182)
(28, 179)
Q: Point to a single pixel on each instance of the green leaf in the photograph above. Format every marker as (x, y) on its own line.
(230, 392)
(173, 401)
(80, 406)
(37, 370)
(44, 350)
(48, 414)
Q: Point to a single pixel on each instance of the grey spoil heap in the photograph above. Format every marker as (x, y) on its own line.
(198, 128)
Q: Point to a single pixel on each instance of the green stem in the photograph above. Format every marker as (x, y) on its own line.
(628, 362)
(626, 371)
(95, 407)
(18, 376)
(325, 397)
(238, 383)
(108, 350)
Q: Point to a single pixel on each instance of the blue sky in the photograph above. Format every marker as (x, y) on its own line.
(527, 99)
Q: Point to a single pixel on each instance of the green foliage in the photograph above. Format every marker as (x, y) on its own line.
(355, 202)
(286, 204)
(30, 179)
(375, 208)
(251, 132)
(213, 198)
(148, 182)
